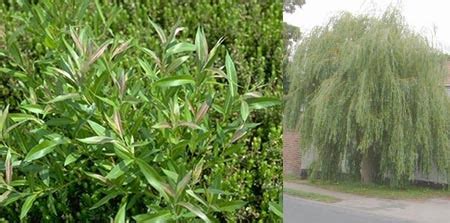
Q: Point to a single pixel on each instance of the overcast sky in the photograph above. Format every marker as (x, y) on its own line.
(426, 17)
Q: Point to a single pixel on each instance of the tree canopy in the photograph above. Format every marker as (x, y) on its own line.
(366, 92)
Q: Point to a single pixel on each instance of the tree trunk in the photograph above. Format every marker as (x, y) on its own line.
(368, 167)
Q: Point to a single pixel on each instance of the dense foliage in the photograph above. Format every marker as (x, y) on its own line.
(367, 94)
(80, 70)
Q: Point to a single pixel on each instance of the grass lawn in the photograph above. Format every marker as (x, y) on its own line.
(373, 190)
(310, 196)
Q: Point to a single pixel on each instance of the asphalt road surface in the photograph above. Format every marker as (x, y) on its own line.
(297, 210)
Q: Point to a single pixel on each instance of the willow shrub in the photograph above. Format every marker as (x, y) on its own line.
(101, 138)
(366, 86)
(252, 32)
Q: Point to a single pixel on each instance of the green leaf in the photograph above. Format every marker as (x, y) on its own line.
(27, 205)
(172, 175)
(183, 183)
(163, 125)
(99, 10)
(3, 116)
(196, 174)
(105, 199)
(152, 55)
(107, 101)
(151, 175)
(175, 81)
(100, 130)
(245, 111)
(195, 210)
(201, 46)
(33, 108)
(97, 140)
(122, 151)
(238, 134)
(191, 125)
(277, 209)
(4, 196)
(231, 74)
(64, 97)
(213, 54)
(160, 32)
(96, 176)
(19, 117)
(158, 217)
(176, 63)
(71, 158)
(120, 216)
(229, 206)
(179, 48)
(42, 149)
(196, 197)
(149, 72)
(262, 102)
(119, 169)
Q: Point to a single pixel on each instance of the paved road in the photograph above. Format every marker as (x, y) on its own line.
(297, 210)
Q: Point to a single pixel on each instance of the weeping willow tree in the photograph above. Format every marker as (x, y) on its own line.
(367, 95)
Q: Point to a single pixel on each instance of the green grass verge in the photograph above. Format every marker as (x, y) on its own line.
(310, 196)
(379, 191)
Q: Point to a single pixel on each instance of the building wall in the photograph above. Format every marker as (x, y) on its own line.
(291, 153)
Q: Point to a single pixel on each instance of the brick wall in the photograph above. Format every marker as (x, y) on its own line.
(291, 153)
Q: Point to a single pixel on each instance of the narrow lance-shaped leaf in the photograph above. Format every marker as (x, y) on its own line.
(183, 183)
(276, 208)
(158, 217)
(77, 41)
(262, 102)
(97, 176)
(99, 52)
(176, 63)
(3, 116)
(37, 109)
(97, 140)
(175, 81)
(151, 175)
(64, 97)
(27, 205)
(245, 111)
(213, 54)
(42, 149)
(160, 32)
(104, 200)
(121, 48)
(196, 210)
(120, 216)
(196, 174)
(238, 134)
(8, 167)
(179, 48)
(231, 74)
(100, 130)
(201, 46)
(230, 206)
(119, 169)
(118, 123)
(153, 55)
(203, 110)
(64, 73)
(71, 158)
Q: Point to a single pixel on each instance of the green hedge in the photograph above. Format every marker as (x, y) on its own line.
(253, 36)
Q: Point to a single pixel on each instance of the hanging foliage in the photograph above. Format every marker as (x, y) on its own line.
(366, 94)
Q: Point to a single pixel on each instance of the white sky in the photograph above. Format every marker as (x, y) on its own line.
(424, 16)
